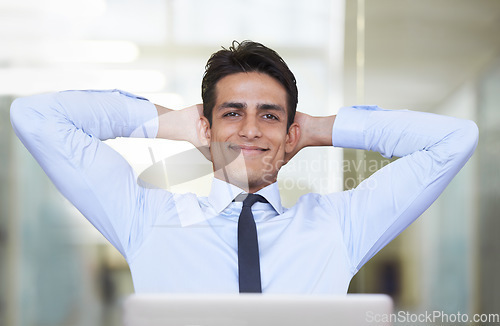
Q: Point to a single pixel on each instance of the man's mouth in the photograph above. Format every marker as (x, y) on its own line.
(248, 149)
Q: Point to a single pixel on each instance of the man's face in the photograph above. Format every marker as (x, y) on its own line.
(248, 137)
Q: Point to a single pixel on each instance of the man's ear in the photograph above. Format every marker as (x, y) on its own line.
(292, 138)
(204, 131)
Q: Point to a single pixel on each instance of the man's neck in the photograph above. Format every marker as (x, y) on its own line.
(245, 186)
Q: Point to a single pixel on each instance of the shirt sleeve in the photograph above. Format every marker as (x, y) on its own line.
(432, 149)
(64, 132)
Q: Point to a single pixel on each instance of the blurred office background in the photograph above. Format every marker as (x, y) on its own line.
(438, 56)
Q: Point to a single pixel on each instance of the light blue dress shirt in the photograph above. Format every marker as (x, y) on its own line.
(181, 243)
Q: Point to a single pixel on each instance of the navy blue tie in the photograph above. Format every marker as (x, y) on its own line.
(248, 246)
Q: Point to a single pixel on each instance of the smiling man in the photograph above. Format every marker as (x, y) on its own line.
(250, 118)
(240, 238)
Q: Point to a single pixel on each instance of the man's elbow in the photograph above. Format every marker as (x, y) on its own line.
(27, 114)
(465, 139)
(20, 114)
(470, 136)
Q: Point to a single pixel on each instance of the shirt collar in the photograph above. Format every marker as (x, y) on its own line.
(223, 193)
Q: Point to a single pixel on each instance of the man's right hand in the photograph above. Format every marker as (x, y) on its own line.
(313, 131)
(182, 124)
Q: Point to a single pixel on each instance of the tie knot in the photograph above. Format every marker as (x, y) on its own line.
(250, 199)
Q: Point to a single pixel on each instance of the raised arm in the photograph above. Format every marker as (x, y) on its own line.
(64, 132)
(433, 148)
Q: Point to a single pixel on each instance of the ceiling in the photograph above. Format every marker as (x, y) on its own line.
(418, 52)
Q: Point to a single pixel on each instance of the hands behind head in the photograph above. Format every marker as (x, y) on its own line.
(183, 125)
(188, 125)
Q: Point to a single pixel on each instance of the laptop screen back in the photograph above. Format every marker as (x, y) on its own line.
(255, 309)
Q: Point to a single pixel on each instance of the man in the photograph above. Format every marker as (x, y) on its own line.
(182, 243)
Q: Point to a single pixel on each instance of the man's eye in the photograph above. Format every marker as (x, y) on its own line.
(230, 114)
(270, 116)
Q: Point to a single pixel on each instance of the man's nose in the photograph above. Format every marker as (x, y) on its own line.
(250, 127)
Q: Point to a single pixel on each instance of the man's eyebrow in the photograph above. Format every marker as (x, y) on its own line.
(233, 105)
(262, 106)
(272, 107)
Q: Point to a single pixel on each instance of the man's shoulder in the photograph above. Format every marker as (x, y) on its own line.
(313, 199)
(182, 209)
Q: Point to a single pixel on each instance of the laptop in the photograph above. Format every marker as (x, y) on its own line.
(256, 310)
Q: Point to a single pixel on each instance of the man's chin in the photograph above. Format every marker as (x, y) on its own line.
(249, 181)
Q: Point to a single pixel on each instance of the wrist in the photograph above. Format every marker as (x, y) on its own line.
(318, 130)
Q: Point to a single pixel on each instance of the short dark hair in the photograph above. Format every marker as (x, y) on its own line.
(247, 56)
